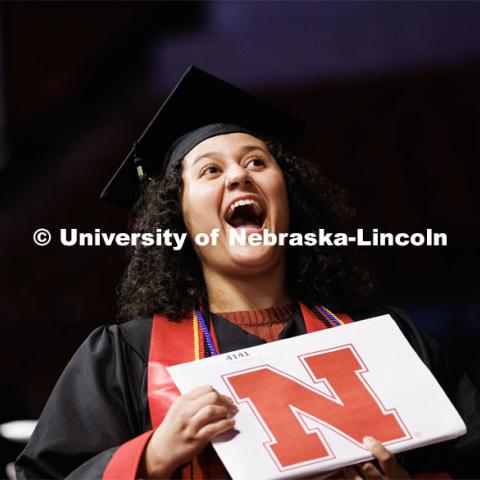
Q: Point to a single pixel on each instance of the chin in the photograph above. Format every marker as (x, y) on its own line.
(254, 257)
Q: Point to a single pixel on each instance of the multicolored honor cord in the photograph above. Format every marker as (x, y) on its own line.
(199, 320)
(328, 318)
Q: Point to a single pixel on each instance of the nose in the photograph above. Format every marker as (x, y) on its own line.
(237, 177)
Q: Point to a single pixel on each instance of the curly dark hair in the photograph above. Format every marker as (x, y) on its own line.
(161, 280)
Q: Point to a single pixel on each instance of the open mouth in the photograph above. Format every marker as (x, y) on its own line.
(245, 213)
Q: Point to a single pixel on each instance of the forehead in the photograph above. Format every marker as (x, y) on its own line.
(224, 145)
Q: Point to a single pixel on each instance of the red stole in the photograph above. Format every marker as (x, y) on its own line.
(172, 343)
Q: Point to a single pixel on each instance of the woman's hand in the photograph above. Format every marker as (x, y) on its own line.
(388, 467)
(191, 422)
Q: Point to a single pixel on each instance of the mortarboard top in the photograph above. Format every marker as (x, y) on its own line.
(197, 100)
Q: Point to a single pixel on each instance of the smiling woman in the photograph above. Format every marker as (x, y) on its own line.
(115, 412)
(232, 181)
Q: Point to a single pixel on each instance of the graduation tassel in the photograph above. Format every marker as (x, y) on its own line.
(138, 162)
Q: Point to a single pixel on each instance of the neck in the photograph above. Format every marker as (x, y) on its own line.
(255, 292)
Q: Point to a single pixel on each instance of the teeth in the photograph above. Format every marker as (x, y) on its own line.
(240, 203)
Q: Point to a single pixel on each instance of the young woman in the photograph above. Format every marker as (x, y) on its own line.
(115, 412)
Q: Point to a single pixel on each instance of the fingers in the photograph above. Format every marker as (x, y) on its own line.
(386, 460)
(208, 414)
(388, 467)
(204, 406)
(351, 473)
(211, 430)
(370, 471)
(198, 392)
(212, 397)
(213, 415)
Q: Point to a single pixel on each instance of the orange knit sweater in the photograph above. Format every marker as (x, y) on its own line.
(266, 323)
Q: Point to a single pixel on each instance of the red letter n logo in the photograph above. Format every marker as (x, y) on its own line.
(350, 408)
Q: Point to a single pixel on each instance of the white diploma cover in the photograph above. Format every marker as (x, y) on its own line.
(305, 403)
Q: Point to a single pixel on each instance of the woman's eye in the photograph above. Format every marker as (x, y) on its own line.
(210, 170)
(256, 162)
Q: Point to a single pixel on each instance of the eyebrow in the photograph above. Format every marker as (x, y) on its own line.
(243, 150)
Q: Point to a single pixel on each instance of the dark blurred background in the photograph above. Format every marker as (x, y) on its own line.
(392, 94)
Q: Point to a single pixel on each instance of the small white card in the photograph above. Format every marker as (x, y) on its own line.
(305, 403)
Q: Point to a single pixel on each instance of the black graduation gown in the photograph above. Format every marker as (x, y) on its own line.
(100, 401)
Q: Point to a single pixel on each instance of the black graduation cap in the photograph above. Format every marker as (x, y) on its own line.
(199, 99)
